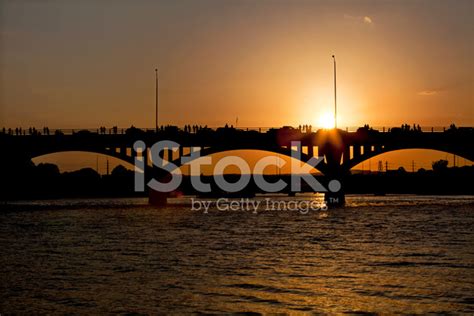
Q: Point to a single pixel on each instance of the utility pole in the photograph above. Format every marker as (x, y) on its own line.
(335, 92)
(156, 100)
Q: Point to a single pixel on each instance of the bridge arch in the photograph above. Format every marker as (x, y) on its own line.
(204, 152)
(372, 154)
(128, 160)
(287, 152)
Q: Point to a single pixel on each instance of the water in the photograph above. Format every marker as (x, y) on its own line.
(394, 254)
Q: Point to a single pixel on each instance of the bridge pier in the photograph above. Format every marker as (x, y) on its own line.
(334, 153)
(335, 196)
(335, 199)
(157, 198)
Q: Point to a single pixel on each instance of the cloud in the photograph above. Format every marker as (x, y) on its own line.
(428, 92)
(367, 20)
(446, 88)
(361, 19)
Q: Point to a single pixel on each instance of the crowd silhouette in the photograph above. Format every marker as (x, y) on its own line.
(193, 129)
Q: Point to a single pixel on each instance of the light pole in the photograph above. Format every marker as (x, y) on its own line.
(335, 93)
(156, 99)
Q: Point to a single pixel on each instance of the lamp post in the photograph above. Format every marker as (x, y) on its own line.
(335, 92)
(156, 99)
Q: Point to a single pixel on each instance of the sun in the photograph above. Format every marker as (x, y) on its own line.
(326, 120)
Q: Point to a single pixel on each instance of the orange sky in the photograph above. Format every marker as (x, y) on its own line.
(84, 64)
(73, 64)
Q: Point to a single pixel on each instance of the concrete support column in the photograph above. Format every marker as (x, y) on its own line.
(169, 154)
(356, 151)
(156, 198)
(335, 196)
(346, 156)
(145, 157)
(367, 149)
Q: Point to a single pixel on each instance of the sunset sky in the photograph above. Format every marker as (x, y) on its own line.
(84, 64)
(75, 64)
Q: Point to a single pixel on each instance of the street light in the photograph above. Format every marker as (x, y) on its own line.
(335, 93)
(156, 99)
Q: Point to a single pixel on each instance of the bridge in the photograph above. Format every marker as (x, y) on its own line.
(341, 150)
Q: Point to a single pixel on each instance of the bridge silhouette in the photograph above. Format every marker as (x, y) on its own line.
(341, 150)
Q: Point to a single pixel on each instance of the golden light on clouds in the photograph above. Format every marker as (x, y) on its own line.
(428, 92)
(367, 20)
(362, 18)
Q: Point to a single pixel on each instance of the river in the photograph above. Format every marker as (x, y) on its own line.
(390, 254)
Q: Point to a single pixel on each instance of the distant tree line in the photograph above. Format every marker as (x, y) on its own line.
(43, 181)
(25, 180)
